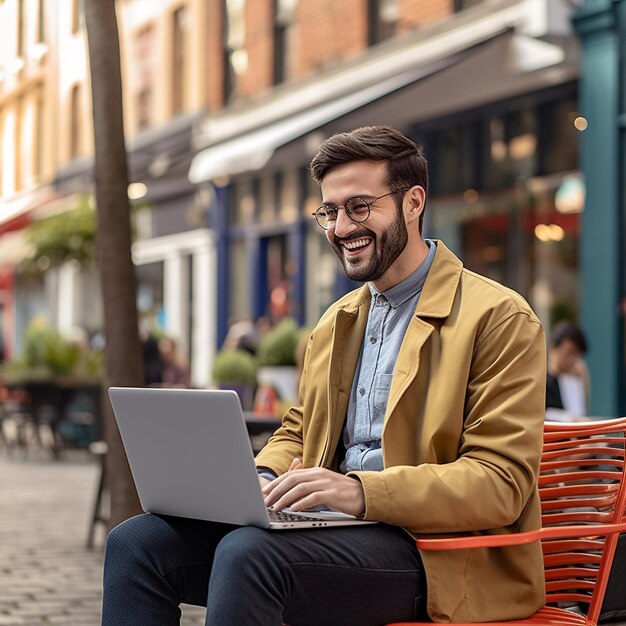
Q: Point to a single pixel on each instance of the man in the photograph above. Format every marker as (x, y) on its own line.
(421, 407)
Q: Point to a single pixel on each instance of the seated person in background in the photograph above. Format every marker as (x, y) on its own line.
(174, 373)
(568, 378)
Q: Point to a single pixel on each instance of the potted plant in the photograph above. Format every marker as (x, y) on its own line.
(277, 359)
(237, 370)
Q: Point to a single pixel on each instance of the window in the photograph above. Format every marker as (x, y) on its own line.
(459, 5)
(235, 57)
(288, 200)
(453, 151)
(76, 15)
(38, 147)
(41, 21)
(144, 64)
(180, 61)
(75, 121)
(561, 136)
(21, 27)
(283, 21)
(382, 17)
(9, 148)
(242, 203)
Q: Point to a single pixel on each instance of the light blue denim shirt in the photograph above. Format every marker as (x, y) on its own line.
(389, 317)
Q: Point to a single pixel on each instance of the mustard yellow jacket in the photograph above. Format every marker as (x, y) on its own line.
(462, 434)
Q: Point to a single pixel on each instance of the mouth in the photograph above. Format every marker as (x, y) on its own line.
(353, 247)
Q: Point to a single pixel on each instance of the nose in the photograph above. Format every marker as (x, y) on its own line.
(343, 225)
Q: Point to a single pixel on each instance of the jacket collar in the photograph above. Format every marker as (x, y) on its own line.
(437, 296)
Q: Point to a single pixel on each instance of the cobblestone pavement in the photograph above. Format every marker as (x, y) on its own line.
(47, 576)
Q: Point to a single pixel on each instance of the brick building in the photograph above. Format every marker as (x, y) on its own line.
(225, 103)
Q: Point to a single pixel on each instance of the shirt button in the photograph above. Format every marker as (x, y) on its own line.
(362, 391)
(373, 340)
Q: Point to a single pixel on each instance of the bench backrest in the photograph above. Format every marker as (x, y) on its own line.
(581, 482)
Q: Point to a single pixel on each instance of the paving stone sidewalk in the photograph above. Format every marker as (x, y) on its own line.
(47, 576)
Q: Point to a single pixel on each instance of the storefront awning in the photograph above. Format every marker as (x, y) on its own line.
(253, 150)
(245, 138)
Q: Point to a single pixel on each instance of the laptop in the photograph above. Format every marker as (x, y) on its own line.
(190, 456)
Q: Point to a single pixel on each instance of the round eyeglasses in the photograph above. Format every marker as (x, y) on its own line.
(357, 208)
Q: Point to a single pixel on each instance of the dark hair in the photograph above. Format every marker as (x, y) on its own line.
(568, 330)
(406, 164)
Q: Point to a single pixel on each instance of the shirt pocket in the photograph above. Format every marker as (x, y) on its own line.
(382, 384)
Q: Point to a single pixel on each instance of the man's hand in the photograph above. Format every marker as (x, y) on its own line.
(301, 489)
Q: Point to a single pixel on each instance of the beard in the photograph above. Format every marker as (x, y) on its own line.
(386, 248)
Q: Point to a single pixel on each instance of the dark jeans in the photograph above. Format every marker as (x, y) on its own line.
(248, 576)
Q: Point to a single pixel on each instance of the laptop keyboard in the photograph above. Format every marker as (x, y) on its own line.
(283, 516)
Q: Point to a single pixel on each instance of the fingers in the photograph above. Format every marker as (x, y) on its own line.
(301, 488)
(295, 464)
(292, 486)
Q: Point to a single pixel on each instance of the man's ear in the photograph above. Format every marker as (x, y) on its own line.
(414, 202)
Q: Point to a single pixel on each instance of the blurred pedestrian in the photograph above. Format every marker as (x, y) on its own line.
(152, 367)
(568, 382)
(174, 372)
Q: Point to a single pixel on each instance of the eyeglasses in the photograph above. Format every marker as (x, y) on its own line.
(358, 209)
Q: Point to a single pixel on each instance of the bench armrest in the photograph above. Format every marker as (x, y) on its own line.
(516, 539)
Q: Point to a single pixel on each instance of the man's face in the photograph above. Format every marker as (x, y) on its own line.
(366, 250)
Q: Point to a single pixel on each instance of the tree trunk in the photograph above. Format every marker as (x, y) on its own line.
(123, 359)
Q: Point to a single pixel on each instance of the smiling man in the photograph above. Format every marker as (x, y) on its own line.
(421, 408)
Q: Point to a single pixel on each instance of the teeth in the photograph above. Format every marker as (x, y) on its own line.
(356, 243)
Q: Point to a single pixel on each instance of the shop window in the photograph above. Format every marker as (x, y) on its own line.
(313, 198)
(522, 143)
(267, 199)
(494, 154)
(562, 138)
(288, 210)
(554, 227)
(485, 245)
(322, 269)
(454, 160)
(383, 17)
(150, 299)
(180, 59)
(239, 287)
(242, 203)
(280, 271)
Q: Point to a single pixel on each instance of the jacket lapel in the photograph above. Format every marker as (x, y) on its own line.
(436, 301)
(348, 331)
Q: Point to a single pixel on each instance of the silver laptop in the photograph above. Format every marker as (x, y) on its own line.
(190, 456)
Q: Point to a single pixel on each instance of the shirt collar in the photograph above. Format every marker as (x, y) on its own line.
(411, 285)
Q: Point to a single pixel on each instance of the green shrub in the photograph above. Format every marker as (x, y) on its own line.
(236, 367)
(278, 347)
(47, 355)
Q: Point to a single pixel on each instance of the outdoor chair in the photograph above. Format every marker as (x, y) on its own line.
(583, 497)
